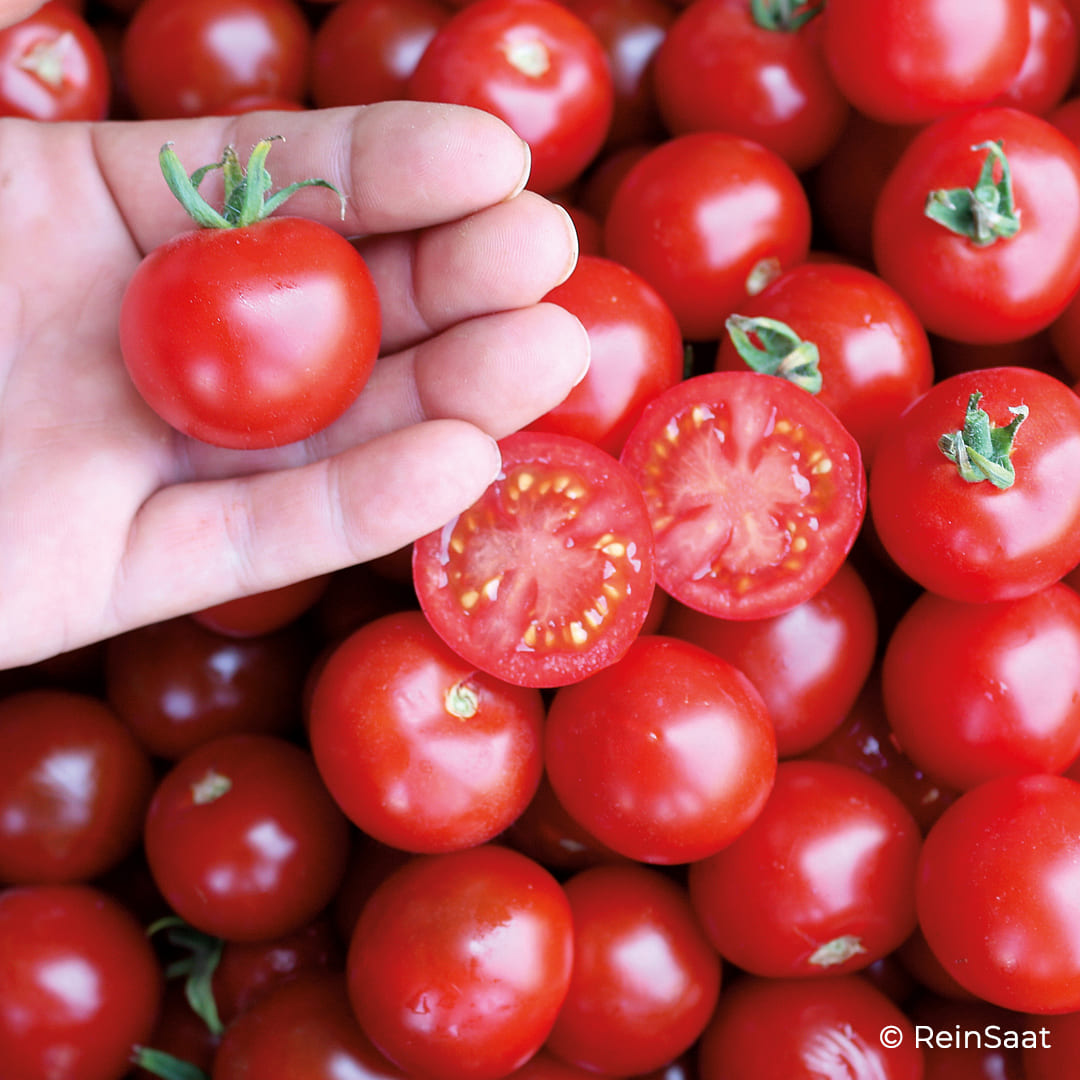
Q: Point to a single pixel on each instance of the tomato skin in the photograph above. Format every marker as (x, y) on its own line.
(809, 663)
(997, 892)
(460, 962)
(755, 492)
(911, 61)
(666, 756)
(705, 218)
(549, 576)
(74, 786)
(773, 85)
(192, 57)
(771, 905)
(971, 541)
(28, 85)
(1003, 291)
(535, 65)
(251, 337)
(1050, 62)
(976, 691)
(635, 351)
(645, 979)
(780, 1029)
(874, 356)
(74, 1028)
(459, 751)
(243, 839)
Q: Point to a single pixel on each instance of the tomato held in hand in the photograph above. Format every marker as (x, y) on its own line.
(251, 331)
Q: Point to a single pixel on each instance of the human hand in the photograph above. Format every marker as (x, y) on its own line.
(109, 519)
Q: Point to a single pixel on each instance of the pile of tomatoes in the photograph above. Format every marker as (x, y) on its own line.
(735, 731)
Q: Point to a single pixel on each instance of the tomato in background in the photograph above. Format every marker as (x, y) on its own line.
(976, 691)
(645, 979)
(549, 576)
(1016, 276)
(708, 219)
(74, 787)
(80, 985)
(912, 61)
(998, 892)
(460, 962)
(636, 351)
(754, 489)
(190, 57)
(873, 355)
(1062, 1049)
(243, 840)
(966, 1024)
(665, 756)
(753, 69)
(774, 905)
(808, 663)
(264, 612)
(52, 67)
(366, 50)
(459, 752)
(534, 64)
(971, 540)
(1049, 65)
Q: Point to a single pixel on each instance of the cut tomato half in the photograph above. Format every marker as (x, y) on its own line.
(548, 577)
(754, 489)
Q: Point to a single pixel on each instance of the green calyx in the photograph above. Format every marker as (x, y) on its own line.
(785, 15)
(196, 967)
(980, 450)
(984, 213)
(248, 194)
(166, 1066)
(773, 348)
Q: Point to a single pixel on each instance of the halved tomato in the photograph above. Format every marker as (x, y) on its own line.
(754, 489)
(548, 577)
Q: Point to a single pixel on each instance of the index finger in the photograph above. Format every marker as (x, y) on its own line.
(400, 165)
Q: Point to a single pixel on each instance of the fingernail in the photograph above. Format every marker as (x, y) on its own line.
(525, 172)
(574, 246)
(496, 461)
(588, 356)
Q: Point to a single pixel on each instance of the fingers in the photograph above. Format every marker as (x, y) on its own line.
(13, 11)
(506, 256)
(242, 535)
(400, 165)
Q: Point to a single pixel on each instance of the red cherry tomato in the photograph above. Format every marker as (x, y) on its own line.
(666, 756)
(1050, 61)
(755, 492)
(708, 219)
(549, 576)
(265, 612)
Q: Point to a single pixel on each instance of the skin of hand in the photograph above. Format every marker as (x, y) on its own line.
(109, 519)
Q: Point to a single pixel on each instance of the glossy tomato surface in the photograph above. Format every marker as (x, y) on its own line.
(251, 337)
(548, 577)
(754, 489)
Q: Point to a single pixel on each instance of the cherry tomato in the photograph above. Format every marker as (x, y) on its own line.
(978, 225)
(957, 533)
(976, 691)
(548, 577)
(52, 67)
(535, 65)
(645, 979)
(806, 1029)
(997, 889)
(80, 986)
(772, 84)
(872, 354)
(666, 756)
(708, 219)
(754, 489)
(459, 753)
(243, 840)
(264, 612)
(191, 57)
(1050, 61)
(74, 786)
(636, 351)
(460, 962)
(809, 663)
(366, 50)
(911, 61)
